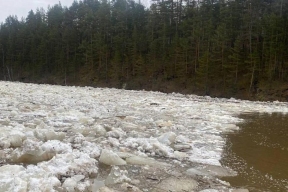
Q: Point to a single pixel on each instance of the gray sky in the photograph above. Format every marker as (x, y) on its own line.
(22, 7)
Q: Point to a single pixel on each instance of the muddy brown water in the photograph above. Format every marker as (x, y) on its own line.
(259, 153)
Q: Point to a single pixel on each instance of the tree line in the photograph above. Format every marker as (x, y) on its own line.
(220, 47)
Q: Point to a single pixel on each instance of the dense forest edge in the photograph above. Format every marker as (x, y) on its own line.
(220, 48)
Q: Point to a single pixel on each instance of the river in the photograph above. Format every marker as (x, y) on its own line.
(259, 153)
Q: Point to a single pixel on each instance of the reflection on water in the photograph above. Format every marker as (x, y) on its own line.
(259, 153)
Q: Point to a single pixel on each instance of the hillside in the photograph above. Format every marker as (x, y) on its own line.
(218, 48)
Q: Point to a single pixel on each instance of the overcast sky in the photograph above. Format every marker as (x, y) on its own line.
(22, 7)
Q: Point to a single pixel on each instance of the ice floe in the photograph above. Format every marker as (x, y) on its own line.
(54, 138)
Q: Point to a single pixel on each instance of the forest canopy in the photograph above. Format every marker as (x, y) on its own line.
(210, 47)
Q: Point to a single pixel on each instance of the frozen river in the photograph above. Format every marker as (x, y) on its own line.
(56, 138)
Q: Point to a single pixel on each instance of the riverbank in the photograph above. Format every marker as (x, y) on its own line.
(266, 91)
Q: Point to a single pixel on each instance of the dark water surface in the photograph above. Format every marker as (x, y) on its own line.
(259, 153)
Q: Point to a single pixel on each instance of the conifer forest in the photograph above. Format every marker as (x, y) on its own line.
(223, 48)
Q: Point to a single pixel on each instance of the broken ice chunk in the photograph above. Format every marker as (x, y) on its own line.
(13, 113)
(30, 153)
(48, 134)
(52, 135)
(176, 184)
(136, 160)
(54, 146)
(97, 184)
(10, 170)
(161, 149)
(11, 138)
(16, 140)
(30, 159)
(76, 163)
(116, 133)
(211, 170)
(106, 189)
(4, 143)
(48, 183)
(167, 138)
(117, 176)
(13, 184)
(180, 155)
(5, 121)
(92, 131)
(110, 158)
(149, 145)
(181, 139)
(129, 187)
(90, 148)
(209, 190)
(86, 120)
(9, 180)
(73, 183)
(100, 130)
(32, 146)
(161, 123)
(40, 124)
(182, 147)
(113, 141)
